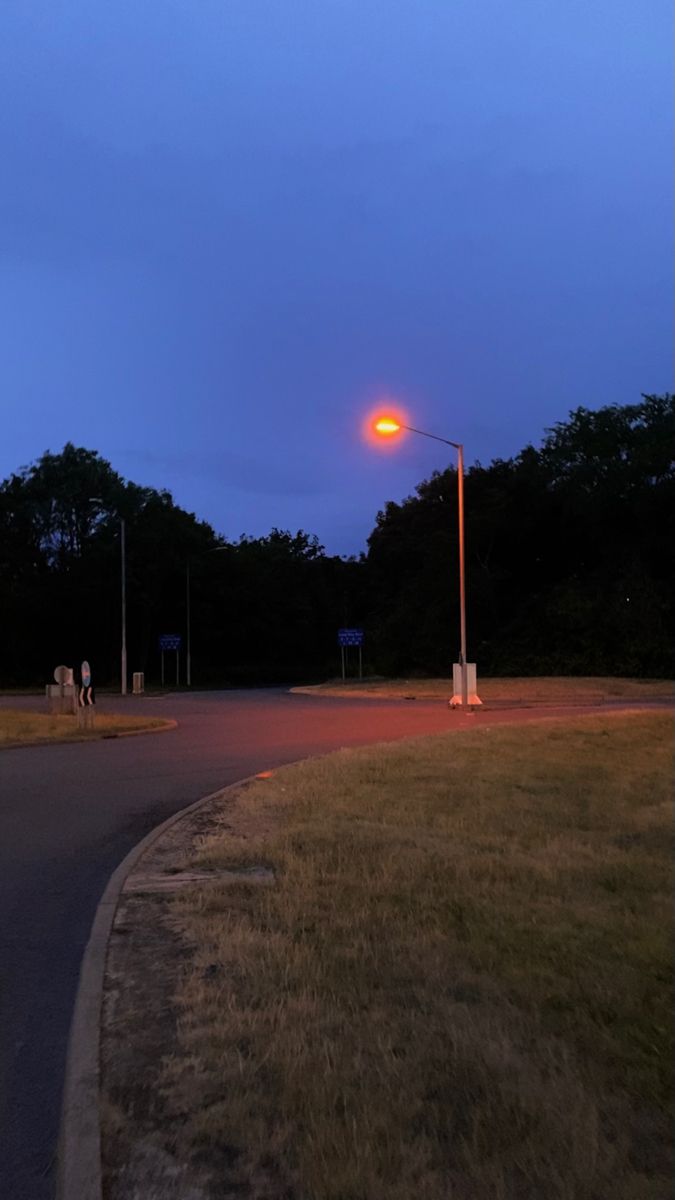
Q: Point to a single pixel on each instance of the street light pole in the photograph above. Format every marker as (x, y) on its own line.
(388, 426)
(187, 614)
(462, 578)
(123, 540)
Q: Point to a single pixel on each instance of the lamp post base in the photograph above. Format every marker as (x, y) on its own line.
(473, 700)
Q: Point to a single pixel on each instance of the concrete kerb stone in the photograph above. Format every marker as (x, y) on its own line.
(79, 1148)
(607, 703)
(167, 725)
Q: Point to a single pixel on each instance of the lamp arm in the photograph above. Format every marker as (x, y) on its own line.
(433, 436)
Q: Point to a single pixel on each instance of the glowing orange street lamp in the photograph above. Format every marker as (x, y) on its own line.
(387, 427)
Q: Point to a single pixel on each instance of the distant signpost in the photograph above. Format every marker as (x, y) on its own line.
(170, 641)
(350, 637)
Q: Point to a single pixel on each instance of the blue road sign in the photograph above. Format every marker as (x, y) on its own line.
(350, 637)
(169, 641)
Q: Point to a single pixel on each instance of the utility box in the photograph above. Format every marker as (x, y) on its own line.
(472, 695)
(138, 683)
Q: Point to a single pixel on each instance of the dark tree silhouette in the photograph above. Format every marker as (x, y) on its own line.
(569, 568)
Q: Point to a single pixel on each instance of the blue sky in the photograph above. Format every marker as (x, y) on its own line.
(230, 227)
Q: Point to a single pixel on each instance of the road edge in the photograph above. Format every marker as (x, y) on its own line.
(168, 723)
(78, 1154)
(487, 706)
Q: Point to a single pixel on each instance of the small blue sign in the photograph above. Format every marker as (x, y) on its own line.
(169, 641)
(350, 637)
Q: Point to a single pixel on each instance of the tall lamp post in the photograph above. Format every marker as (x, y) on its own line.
(123, 574)
(188, 673)
(387, 427)
(123, 554)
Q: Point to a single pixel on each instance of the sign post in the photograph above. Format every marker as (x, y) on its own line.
(350, 637)
(170, 641)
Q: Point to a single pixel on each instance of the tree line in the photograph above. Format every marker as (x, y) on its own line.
(569, 569)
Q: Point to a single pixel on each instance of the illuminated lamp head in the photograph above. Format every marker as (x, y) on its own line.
(387, 426)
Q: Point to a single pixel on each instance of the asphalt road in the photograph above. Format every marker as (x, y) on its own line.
(70, 813)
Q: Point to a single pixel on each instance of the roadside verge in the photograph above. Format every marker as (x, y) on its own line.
(498, 693)
(447, 920)
(79, 1149)
(28, 730)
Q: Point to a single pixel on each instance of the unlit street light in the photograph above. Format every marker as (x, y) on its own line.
(387, 427)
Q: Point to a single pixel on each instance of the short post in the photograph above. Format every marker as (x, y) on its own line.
(85, 717)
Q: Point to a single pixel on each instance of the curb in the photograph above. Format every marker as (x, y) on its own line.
(493, 705)
(79, 1143)
(168, 725)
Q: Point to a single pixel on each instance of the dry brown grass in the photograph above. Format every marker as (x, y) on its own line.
(19, 728)
(543, 690)
(460, 986)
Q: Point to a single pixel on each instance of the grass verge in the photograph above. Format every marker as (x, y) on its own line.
(527, 690)
(460, 986)
(19, 728)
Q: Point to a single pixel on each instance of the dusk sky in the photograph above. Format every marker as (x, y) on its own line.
(230, 228)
